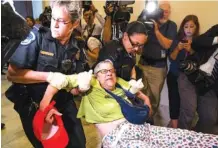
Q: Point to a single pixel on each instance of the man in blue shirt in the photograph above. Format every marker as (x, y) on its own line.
(153, 61)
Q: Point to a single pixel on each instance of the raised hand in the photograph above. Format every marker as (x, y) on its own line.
(135, 85)
(84, 80)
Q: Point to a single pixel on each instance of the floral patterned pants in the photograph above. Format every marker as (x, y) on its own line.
(128, 135)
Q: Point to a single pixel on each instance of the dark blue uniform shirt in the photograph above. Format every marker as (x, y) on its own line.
(153, 51)
(41, 52)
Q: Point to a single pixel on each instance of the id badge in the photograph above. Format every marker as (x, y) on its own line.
(163, 54)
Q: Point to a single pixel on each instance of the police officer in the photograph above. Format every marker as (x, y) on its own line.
(43, 52)
(122, 52)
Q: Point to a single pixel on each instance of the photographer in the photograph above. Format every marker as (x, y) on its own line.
(153, 61)
(94, 46)
(206, 45)
(122, 52)
(91, 28)
(117, 18)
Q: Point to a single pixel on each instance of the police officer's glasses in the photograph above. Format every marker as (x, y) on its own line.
(105, 71)
(137, 45)
(60, 21)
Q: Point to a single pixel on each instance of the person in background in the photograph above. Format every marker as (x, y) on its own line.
(94, 46)
(30, 21)
(206, 45)
(43, 52)
(181, 49)
(116, 22)
(92, 29)
(37, 21)
(153, 61)
(100, 106)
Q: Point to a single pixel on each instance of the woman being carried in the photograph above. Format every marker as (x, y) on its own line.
(105, 104)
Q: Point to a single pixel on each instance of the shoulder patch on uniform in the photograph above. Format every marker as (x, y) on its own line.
(30, 38)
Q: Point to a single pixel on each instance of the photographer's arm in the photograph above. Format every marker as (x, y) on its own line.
(164, 42)
(107, 30)
(100, 19)
(94, 53)
(97, 15)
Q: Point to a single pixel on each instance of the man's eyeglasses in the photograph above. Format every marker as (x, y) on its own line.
(60, 21)
(135, 45)
(104, 71)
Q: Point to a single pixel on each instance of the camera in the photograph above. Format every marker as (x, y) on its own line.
(45, 17)
(146, 17)
(86, 4)
(188, 66)
(121, 13)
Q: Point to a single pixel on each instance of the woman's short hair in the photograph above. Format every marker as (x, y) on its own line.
(98, 66)
(74, 7)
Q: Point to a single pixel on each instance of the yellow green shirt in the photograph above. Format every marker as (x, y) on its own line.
(97, 106)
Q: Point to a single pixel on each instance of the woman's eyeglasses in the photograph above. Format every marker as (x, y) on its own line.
(61, 21)
(104, 71)
(135, 45)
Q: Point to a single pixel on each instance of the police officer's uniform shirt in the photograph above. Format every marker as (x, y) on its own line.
(153, 50)
(123, 62)
(41, 49)
(41, 52)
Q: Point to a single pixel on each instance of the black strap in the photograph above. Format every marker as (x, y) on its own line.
(91, 31)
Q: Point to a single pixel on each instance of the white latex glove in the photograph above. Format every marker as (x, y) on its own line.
(57, 80)
(84, 80)
(135, 85)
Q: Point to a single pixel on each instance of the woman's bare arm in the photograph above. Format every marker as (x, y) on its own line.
(146, 100)
(49, 94)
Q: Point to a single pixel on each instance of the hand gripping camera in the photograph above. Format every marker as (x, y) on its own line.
(121, 13)
(149, 14)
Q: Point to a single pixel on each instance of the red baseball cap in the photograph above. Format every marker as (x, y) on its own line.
(51, 135)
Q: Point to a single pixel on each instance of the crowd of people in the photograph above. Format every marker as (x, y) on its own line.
(52, 64)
